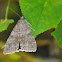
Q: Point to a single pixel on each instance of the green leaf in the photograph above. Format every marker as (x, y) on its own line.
(14, 56)
(41, 14)
(58, 34)
(4, 23)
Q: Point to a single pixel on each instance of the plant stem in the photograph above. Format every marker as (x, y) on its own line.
(7, 9)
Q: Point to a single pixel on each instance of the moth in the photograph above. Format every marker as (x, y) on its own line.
(20, 39)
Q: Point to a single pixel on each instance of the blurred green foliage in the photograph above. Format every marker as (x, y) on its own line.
(58, 34)
(4, 23)
(14, 56)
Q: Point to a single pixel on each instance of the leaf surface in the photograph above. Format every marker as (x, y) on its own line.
(4, 23)
(41, 14)
(58, 34)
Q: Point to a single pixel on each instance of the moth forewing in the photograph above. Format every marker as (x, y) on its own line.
(20, 39)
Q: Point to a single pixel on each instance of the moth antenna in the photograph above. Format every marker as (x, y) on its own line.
(14, 12)
(21, 17)
(32, 29)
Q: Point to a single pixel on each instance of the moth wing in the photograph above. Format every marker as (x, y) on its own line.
(12, 42)
(27, 43)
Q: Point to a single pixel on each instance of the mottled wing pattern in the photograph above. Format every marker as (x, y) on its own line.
(27, 41)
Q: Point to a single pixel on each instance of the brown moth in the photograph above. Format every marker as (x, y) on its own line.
(20, 39)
